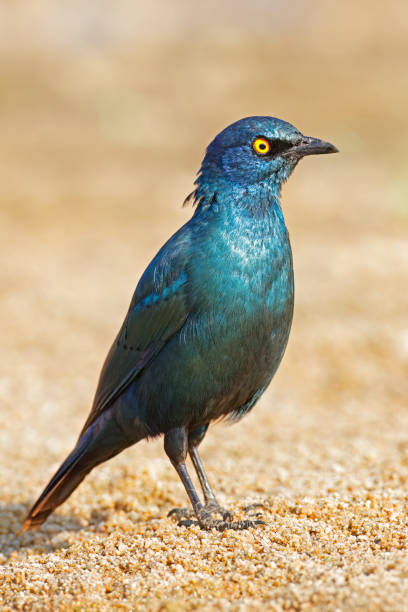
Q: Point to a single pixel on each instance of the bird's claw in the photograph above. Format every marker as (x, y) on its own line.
(183, 515)
(253, 510)
(213, 507)
(207, 522)
(253, 507)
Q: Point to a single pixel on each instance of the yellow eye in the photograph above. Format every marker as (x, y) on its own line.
(261, 146)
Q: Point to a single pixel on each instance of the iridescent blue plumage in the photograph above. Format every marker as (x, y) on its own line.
(210, 318)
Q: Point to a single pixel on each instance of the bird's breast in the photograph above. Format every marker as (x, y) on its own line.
(244, 272)
(241, 315)
(240, 292)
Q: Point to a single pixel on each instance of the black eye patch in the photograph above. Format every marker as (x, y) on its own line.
(269, 147)
(278, 146)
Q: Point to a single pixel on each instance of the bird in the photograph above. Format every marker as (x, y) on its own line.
(208, 323)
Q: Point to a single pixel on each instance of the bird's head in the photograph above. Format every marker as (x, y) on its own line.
(255, 150)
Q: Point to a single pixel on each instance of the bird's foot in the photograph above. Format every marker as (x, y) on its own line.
(254, 509)
(211, 507)
(207, 522)
(181, 513)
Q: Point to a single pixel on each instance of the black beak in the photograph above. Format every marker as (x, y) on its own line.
(311, 146)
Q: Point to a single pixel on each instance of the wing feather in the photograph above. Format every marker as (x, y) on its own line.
(158, 311)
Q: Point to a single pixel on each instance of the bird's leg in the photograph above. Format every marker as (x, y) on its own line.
(210, 502)
(195, 438)
(175, 445)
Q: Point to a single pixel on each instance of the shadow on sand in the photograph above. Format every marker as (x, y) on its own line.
(51, 536)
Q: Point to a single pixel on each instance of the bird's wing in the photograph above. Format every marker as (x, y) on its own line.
(158, 310)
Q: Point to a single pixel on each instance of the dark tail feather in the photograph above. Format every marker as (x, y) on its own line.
(61, 485)
(101, 441)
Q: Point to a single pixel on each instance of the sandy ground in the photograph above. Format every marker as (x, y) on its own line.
(94, 165)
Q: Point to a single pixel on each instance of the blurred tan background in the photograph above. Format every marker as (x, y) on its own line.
(105, 113)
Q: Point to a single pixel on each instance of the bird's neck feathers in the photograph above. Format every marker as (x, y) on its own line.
(257, 199)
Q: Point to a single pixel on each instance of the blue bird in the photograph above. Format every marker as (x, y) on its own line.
(208, 323)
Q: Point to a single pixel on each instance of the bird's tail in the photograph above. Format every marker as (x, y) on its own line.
(101, 441)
